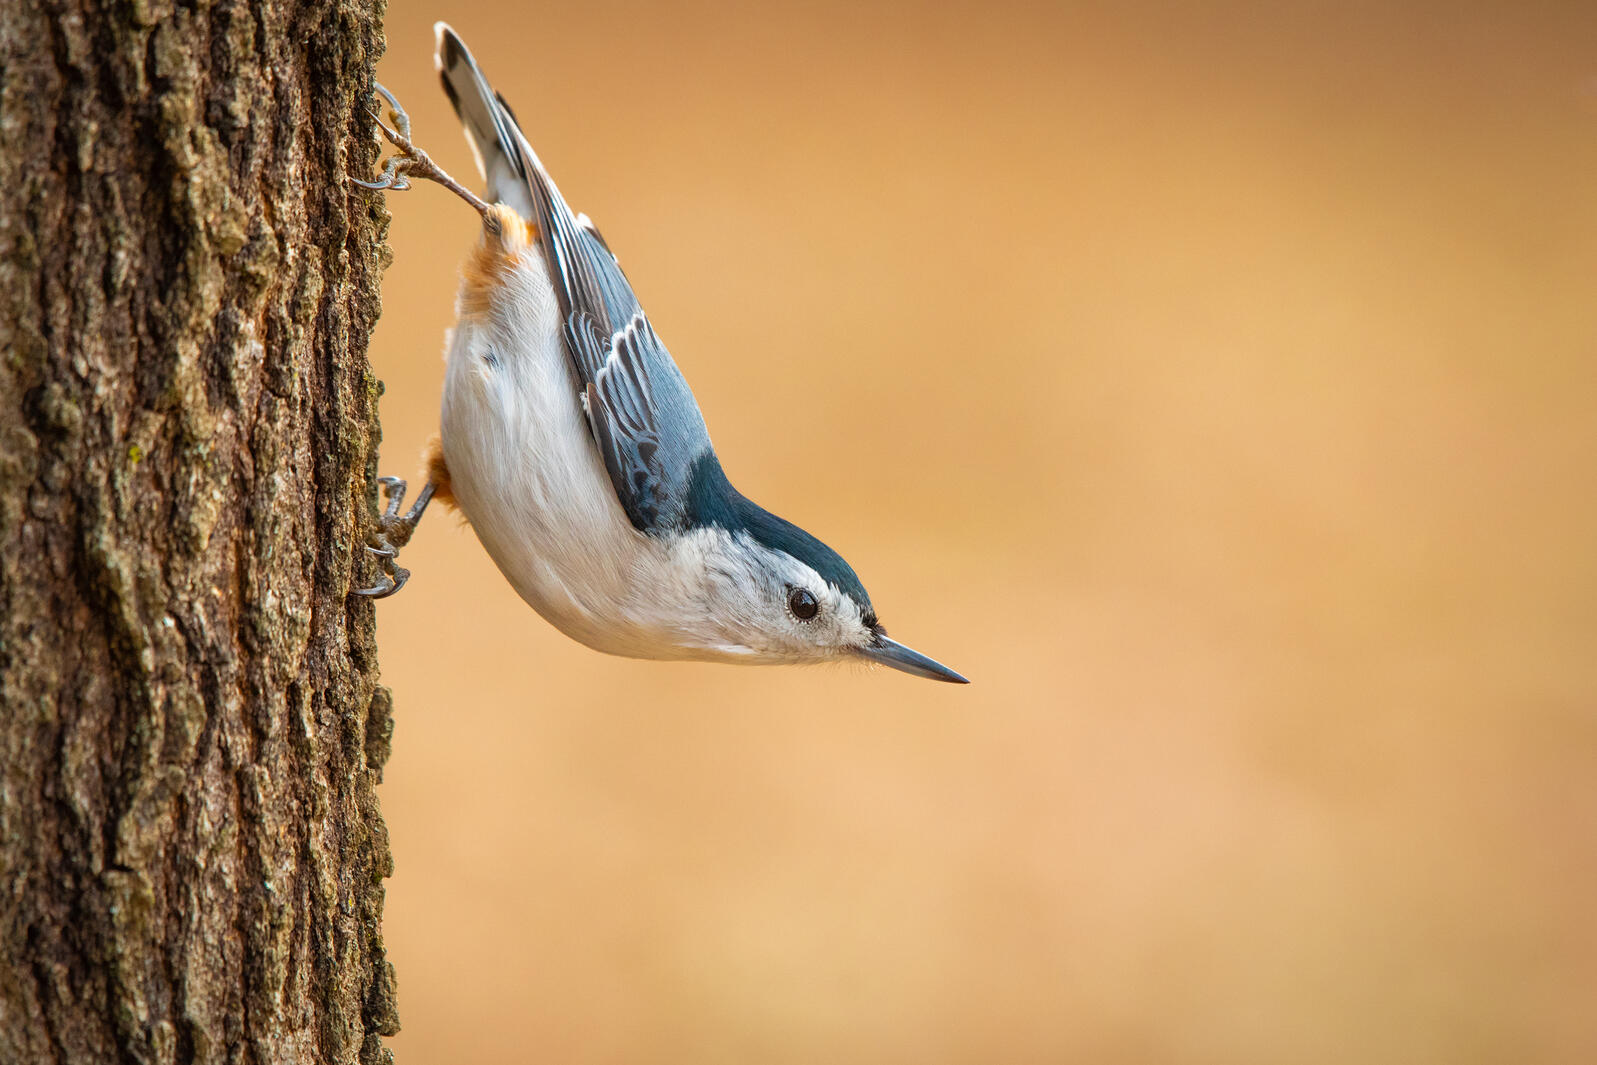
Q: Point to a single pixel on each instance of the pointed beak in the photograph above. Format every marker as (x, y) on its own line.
(892, 653)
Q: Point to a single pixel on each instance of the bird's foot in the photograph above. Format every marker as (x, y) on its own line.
(410, 161)
(394, 531)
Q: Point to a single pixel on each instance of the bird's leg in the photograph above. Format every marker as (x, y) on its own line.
(410, 161)
(397, 530)
(393, 532)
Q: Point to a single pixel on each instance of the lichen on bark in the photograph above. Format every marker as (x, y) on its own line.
(191, 852)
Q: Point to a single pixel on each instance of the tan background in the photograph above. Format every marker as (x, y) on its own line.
(1215, 389)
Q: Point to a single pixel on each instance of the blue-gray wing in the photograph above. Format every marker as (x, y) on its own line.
(643, 416)
(644, 419)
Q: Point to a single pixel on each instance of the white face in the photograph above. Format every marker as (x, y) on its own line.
(765, 605)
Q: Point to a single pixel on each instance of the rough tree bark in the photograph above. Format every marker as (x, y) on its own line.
(191, 853)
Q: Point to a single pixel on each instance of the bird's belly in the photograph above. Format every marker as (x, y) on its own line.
(525, 472)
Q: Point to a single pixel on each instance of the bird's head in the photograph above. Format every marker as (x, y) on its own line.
(777, 594)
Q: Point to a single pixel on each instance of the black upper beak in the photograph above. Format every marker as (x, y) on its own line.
(892, 653)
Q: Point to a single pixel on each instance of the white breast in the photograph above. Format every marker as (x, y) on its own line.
(525, 471)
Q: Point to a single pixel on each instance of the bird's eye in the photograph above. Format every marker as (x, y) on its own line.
(802, 604)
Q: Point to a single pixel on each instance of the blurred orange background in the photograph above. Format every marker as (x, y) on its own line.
(1214, 385)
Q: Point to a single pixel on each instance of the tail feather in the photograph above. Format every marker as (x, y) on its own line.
(491, 128)
(581, 267)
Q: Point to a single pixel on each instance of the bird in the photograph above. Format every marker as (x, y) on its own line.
(575, 449)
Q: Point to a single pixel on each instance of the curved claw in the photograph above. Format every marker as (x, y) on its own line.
(393, 175)
(388, 180)
(376, 591)
(401, 119)
(387, 586)
(382, 552)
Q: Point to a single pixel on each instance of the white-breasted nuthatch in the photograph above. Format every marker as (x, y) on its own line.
(576, 450)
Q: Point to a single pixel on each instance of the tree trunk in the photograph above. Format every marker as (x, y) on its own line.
(191, 854)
